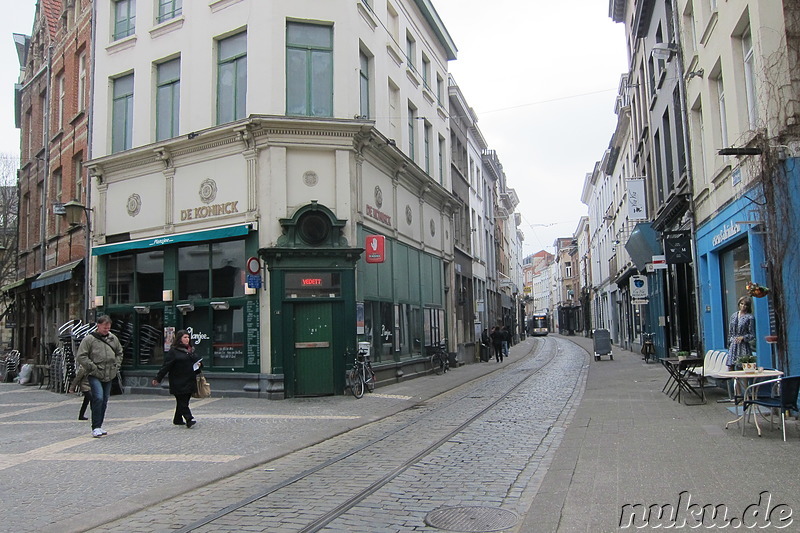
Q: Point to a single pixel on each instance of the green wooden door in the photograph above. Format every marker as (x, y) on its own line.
(313, 349)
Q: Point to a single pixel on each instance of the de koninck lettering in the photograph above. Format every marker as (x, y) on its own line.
(206, 211)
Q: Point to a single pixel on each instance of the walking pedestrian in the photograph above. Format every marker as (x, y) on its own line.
(182, 366)
(100, 355)
(81, 383)
(497, 343)
(741, 332)
(506, 340)
(486, 346)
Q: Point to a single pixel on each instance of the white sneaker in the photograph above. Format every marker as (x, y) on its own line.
(97, 432)
(103, 431)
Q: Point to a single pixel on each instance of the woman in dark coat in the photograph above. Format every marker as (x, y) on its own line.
(182, 365)
(497, 342)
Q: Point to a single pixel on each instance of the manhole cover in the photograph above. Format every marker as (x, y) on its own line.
(471, 519)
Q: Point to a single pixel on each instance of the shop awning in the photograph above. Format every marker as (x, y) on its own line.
(164, 240)
(14, 285)
(55, 275)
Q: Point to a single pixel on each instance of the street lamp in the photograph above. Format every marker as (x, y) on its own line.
(72, 214)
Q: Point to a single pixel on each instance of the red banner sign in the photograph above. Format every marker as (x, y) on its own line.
(376, 246)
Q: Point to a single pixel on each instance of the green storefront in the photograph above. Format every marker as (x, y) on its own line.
(195, 281)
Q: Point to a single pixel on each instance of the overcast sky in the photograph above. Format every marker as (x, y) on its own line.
(541, 75)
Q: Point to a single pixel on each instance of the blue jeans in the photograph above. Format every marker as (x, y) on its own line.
(505, 348)
(101, 390)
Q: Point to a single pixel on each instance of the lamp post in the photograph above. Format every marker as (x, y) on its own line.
(72, 214)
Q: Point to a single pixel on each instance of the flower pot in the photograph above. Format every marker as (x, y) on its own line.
(758, 293)
(749, 367)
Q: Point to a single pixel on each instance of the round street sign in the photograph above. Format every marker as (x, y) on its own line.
(253, 266)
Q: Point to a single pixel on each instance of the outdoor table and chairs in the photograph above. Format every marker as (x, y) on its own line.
(742, 391)
(681, 372)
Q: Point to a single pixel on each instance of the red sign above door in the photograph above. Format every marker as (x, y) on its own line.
(376, 246)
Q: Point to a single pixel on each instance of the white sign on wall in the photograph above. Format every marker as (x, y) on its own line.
(638, 287)
(637, 205)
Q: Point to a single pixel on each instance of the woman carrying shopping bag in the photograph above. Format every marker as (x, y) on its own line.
(182, 366)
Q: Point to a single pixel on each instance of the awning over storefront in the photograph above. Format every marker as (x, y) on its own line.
(164, 240)
(643, 244)
(55, 275)
(14, 285)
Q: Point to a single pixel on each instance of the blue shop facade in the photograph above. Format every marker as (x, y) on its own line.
(730, 253)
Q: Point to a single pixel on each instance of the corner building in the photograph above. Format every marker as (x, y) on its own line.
(286, 131)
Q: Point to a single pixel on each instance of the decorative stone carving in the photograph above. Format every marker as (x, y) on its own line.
(134, 205)
(433, 228)
(208, 191)
(409, 215)
(378, 196)
(310, 178)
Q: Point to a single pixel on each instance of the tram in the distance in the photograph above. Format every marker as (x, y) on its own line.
(538, 324)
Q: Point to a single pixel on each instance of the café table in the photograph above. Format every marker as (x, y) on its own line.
(680, 371)
(741, 380)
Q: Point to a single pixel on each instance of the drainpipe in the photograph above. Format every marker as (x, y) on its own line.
(87, 270)
(45, 196)
(689, 178)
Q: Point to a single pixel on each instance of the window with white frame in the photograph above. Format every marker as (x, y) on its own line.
(124, 18)
(81, 94)
(749, 77)
(411, 52)
(122, 114)
(78, 174)
(169, 9)
(426, 71)
(427, 147)
(231, 78)
(723, 117)
(61, 100)
(412, 132)
(309, 70)
(439, 89)
(441, 159)
(168, 99)
(363, 81)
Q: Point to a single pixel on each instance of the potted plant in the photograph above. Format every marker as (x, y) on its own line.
(747, 362)
(755, 290)
(682, 355)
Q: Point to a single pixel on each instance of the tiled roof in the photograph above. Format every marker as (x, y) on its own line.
(52, 12)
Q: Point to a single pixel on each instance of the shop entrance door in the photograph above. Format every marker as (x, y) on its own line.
(313, 349)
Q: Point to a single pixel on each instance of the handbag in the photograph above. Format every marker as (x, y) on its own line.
(116, 385)
(203, 387)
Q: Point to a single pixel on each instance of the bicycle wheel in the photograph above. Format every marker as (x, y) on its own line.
(437, 363)
(352, 380)
(357, 385)
(370, 379)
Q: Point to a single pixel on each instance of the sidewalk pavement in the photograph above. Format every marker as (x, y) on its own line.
(628, 443)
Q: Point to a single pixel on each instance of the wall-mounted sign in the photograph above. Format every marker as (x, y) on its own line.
(253, 265)
(638, 287)
(206, 211)
(636, 199)
(376, 249)
(312, 284)
(678, 247)
(659, 262)
(727, 231)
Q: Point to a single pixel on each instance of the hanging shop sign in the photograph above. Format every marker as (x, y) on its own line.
(636, 199)
(376, 249)
(678, 247)
(638, 287)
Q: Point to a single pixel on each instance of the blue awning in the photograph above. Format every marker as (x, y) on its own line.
(55, 275)
(164, 240)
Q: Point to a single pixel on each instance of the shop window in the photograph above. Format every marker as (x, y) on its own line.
(141, 336)
(211, 270)
(120, 279)
(433, 325)
(228, 338)
(735, 273)
(218, 336)
(150, 275)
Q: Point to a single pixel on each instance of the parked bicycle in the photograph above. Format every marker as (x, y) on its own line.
(440, 359)
(361, 377)
(648, 348)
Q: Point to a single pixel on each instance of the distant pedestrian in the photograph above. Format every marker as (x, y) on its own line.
(497, 343)
(100, 354)
(506, 340)
(486, 346)
(81, 384)
(182, 366)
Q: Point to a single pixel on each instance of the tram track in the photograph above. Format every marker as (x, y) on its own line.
(431, 426)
